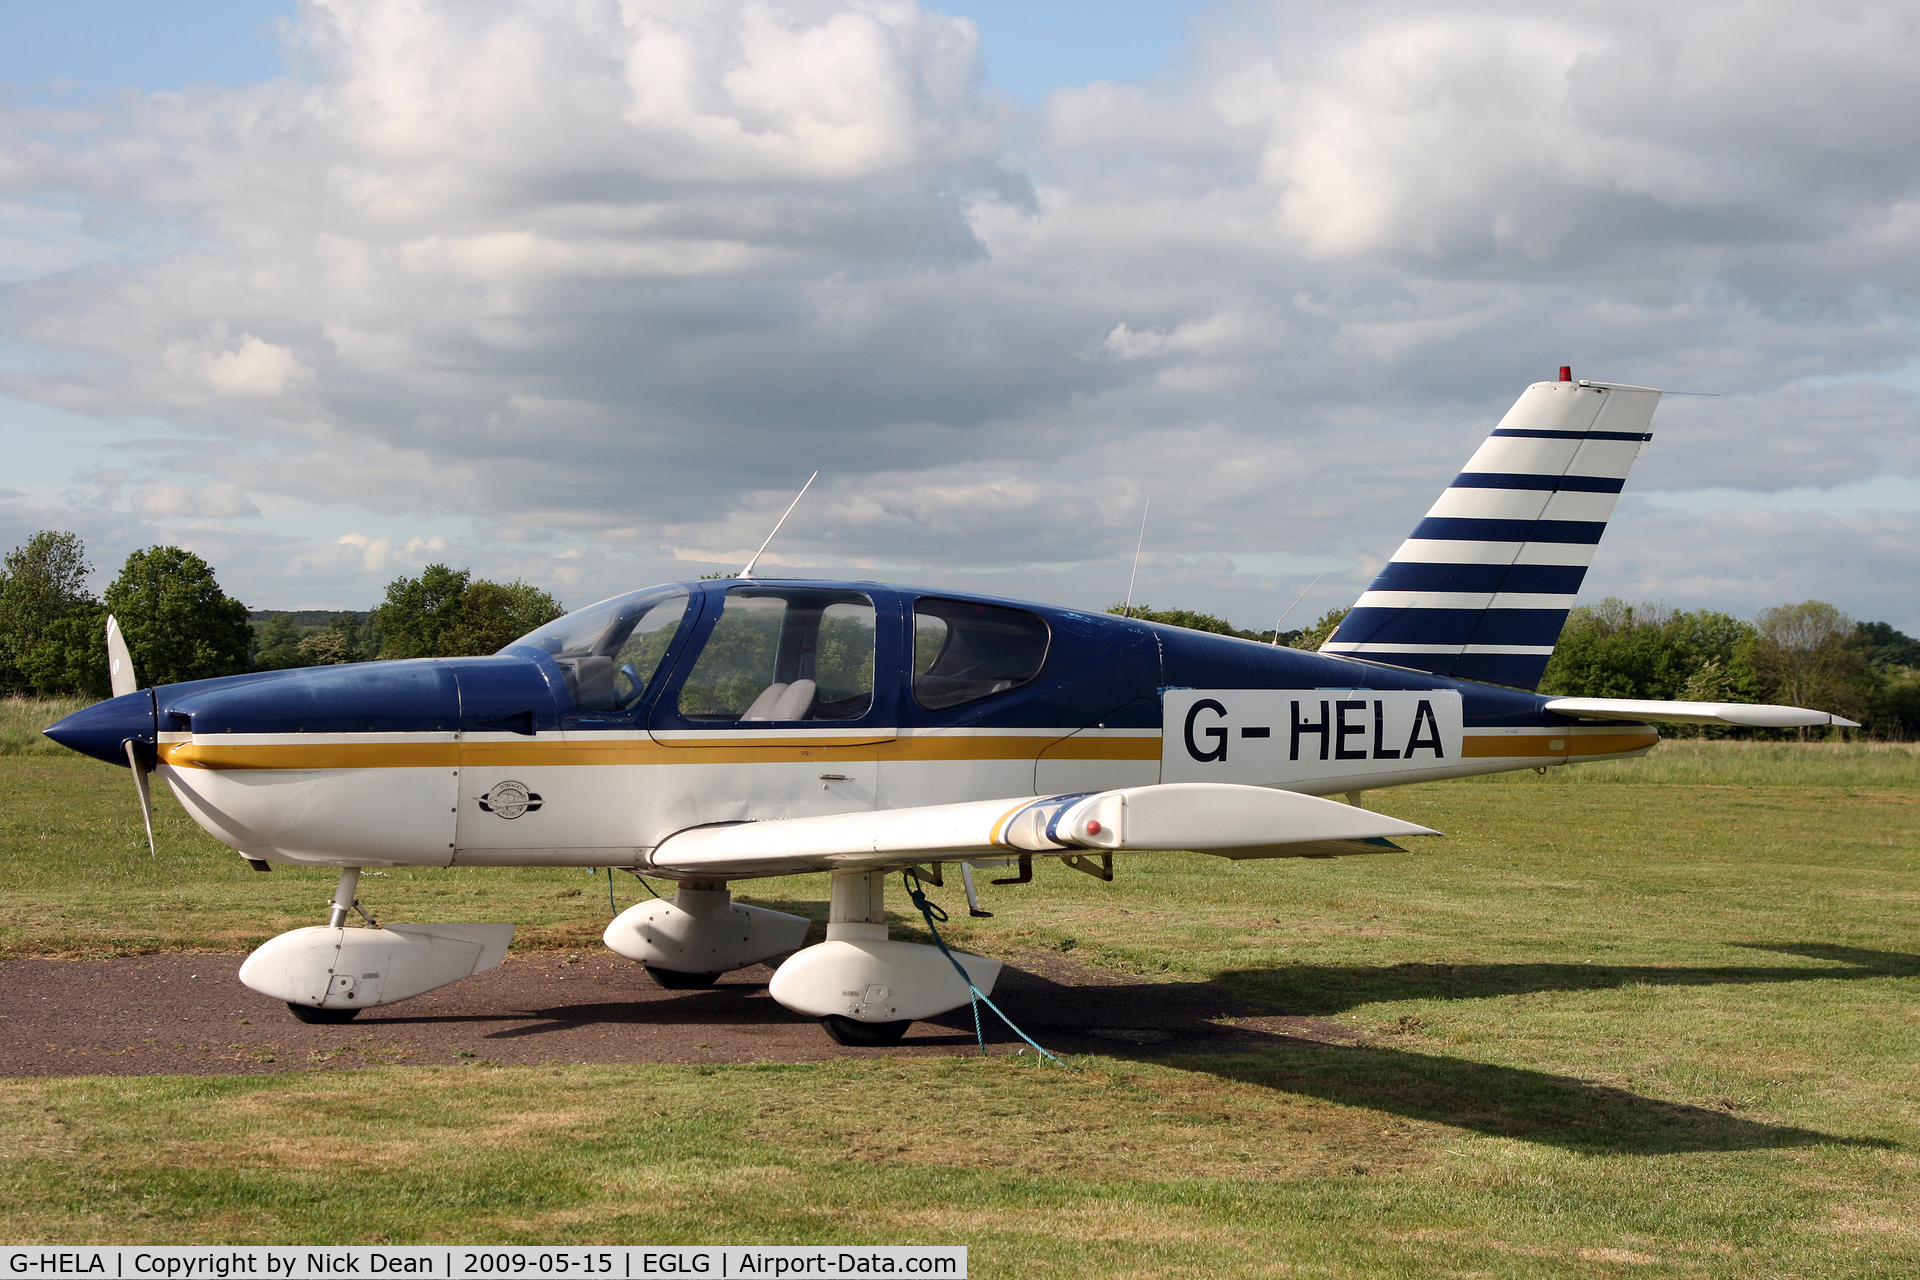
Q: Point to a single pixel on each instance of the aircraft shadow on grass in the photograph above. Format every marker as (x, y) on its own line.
(1323, 990)
(1191, 1025)
(1529, 1105)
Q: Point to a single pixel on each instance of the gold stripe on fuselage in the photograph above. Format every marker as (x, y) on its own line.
(1538, 744)
(295, 753)
(397, 752)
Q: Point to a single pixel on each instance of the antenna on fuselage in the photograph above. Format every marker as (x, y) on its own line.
(1126, 610)
(748, 571)
(1302, 596)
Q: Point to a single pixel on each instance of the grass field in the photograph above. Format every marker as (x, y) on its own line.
(1660, 1019)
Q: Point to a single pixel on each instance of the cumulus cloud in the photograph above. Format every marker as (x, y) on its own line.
(158, 498)
(244, 366)
(605, 281)
(379, 555)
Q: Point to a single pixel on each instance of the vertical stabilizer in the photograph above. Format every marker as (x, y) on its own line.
(1481, 588)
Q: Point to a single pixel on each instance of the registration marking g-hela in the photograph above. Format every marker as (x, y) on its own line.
(1262, 735)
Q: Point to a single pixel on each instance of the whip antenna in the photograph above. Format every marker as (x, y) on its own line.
(1127, 610)
(748, 571)
(1302, 596)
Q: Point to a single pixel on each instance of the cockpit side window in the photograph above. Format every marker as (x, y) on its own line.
(610, 652)
(964, 651)
(784, 654)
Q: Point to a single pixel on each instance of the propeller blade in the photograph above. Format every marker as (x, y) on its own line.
(119, 662)
(138, 764)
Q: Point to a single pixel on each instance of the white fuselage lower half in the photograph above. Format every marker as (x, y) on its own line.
(605, 800)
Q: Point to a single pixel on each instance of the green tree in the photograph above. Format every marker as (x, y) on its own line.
(493, 615)
(71, 657)
(420, 614)
(1896, 706)
(1812, 655)
(348, 638)
(276, 644)
(178, 623)
(1320, 632)
(43, 581)
(1888, 649)
(1619, 650)
(1188, 618)
(447, 613)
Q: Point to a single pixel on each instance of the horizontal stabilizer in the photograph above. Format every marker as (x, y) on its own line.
(1232, 821)
(1750, 715)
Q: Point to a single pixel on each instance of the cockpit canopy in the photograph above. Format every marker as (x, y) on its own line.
(785, 651)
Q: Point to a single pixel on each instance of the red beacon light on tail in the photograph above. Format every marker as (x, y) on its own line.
(1566, 373)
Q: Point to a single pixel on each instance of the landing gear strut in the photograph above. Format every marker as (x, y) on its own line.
(342, 903)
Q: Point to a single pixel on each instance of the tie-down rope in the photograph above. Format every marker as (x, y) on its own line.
(931, 911)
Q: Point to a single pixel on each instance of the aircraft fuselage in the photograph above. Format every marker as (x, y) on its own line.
(773, 699)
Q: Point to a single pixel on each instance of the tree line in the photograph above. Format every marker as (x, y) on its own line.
(180, 625)
(1803, 655)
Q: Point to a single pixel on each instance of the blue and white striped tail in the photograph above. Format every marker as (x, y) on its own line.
(1481, 589)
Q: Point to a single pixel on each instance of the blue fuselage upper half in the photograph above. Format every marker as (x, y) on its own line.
(878, 647)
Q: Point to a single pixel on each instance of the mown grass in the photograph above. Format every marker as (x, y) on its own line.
(1699, 761)
(1639, 1025)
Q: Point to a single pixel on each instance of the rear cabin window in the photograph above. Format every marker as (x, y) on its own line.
(784, 653)
(964, 651)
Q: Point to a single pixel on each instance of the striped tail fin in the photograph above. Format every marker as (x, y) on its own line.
(1482, 587)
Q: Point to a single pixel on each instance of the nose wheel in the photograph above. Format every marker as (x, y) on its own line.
(343, 903)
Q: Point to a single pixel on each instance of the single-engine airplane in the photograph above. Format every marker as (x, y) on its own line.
(717, 731)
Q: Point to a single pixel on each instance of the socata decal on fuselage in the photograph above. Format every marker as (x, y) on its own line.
(708, 732)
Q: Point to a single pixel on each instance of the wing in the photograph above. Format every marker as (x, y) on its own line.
(1751, 715)
(1229, 821)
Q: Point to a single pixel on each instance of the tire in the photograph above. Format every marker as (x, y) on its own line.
(307, 1013)
(857, 1034)
(674, 980)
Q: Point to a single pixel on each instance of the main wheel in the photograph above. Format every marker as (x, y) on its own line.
(674, 980)
(851, 1031)
(307, 1013)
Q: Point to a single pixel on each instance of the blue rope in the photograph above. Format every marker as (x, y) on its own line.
(932, 911)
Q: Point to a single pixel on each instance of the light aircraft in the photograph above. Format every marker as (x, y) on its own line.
(718, 731)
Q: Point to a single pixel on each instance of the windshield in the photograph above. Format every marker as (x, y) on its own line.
(611, 651)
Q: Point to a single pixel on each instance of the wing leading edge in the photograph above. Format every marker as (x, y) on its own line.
(1216, 818)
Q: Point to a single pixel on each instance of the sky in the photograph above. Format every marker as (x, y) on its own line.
(581, 292)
